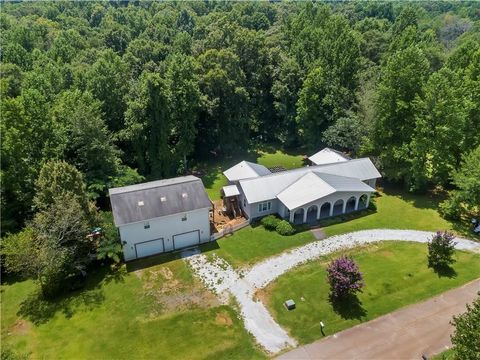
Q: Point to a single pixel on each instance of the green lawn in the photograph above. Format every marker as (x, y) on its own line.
(214, 179)
(160, 312)
(397, 210)
(252, 244)
(446, 355)
(395, 274)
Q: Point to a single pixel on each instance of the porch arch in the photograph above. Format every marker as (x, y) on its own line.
(312, 213)
(351, 203)
(338, 207)
(298, 216)
(325, 210)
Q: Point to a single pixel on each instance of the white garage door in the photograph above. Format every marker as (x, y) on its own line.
(148, 248)
(186, 239)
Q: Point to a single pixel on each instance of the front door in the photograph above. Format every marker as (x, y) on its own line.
(168, 244)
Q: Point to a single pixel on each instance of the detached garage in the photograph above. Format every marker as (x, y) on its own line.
(161, 216)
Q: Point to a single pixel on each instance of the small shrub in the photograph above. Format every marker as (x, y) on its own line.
(441, 249)
(344, 277)
(270, 222)
(285, 228)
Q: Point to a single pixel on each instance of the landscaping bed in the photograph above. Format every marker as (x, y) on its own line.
(396, 275)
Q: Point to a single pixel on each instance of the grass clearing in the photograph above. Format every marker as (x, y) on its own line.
(160, 311)
(395, 274)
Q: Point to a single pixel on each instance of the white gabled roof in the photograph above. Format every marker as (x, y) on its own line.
(230, 190)
(308, 188)
(245, 170)
(328, 156)
(269, 186)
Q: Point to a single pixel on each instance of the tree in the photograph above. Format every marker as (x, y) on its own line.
(401, 82)
(466, 336)
(318, 106)
(347, 133)
(58, 178)
(439, 133)
(344, 277)
(440, 250)
(87, 142)
(52, 247)
(184, 104)
(465, 199)
(149, 125)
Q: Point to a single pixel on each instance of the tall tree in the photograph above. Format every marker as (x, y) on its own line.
(401, 82)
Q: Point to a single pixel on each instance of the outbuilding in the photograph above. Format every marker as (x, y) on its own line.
(161, 216)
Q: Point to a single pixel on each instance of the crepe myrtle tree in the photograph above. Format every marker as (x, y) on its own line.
(441, 249)
(344, 277)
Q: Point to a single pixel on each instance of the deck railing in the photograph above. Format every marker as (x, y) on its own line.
(230, 229)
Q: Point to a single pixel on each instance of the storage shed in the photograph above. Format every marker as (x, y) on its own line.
(161, 216)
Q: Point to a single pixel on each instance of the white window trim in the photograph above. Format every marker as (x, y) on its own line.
(264, 206)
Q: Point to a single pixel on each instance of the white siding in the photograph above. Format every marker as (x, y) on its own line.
(254, 213)
(164, 227)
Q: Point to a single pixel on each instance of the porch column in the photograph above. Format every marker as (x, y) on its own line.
(304, 216)
(331, 208)
(344, 207)
(368, 201)
(318, 211)
(357, 201)
(292, 213)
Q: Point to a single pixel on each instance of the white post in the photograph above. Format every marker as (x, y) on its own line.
(331, 208)
(304, 216)
(318, 211)
(292, 213)
(368, 201)
(344, 207)
(357, 201)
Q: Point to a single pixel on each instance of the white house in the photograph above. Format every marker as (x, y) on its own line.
(309, 193)
(161, 216)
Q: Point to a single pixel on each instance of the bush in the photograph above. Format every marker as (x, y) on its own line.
(285, 228)
(344, 277)
(270, 222)
(467, 331)
(440, 250)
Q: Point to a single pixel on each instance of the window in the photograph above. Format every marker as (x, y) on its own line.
(184, 217)
(146, 225)
(264, 206)
(244, 202)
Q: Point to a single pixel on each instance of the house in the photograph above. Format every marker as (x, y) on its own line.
(309, 193)
(161, 216)
(245, 170)
(327, 156)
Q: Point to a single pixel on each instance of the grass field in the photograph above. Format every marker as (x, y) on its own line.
(214, 179)
(395, 274)
(159, 312)
(397, 210)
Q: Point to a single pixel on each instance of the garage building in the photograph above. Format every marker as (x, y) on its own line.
(161, 216)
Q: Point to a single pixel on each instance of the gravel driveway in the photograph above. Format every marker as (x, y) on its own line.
(220, 277)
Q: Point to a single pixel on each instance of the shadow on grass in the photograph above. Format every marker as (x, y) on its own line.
(445, 271)
(349, 307)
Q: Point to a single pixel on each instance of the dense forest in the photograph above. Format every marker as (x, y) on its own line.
(102, 94)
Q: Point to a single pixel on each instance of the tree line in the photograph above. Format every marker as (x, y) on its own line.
(125, 91)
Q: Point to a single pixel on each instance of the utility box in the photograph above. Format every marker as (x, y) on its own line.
(290, 304)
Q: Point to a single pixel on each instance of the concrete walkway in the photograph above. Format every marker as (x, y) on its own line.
(408, 333)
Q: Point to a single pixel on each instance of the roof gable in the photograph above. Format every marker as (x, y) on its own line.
(328, 156)
(245, 170)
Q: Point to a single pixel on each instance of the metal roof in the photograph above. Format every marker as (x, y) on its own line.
(315, 185)
(230, 190)
(308, 188)
(245, 170)
(328, 156)
(155, 199)
(269, 186)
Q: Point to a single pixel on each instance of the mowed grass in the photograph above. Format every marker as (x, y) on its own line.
(159, 312)
(395, 274)
(214, 179)
(397, 210)
(253, 243)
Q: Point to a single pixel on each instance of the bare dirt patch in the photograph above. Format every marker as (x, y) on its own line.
(262, 295)
(223, 319)
(21, 327)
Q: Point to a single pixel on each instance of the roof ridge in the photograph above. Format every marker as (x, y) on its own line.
(138, 187)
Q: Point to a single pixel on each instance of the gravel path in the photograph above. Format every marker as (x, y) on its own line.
(221, 278)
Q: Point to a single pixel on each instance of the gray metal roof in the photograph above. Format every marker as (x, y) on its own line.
(269, 186)
(155, 199)
(328, 156)
(245, 170)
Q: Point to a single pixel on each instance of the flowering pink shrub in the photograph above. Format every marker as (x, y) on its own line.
(344, 277)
